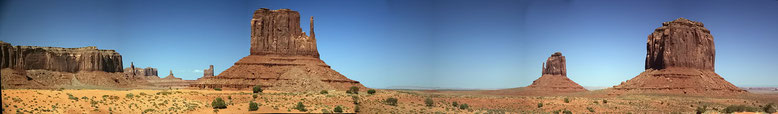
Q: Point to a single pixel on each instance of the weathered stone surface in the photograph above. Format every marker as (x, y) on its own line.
(680, 59)
(282, 58)
(171, 76)
(278, 32)
(60, 59)
(680, 43)
(208, 72)
(555, 65)
(554, 76)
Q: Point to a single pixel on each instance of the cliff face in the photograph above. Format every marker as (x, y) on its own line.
(680, 43)
(60, 59)
(278, 32)
(282, 58)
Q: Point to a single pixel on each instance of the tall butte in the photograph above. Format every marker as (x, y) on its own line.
(282, 57)
(554, 76)
(680, 60)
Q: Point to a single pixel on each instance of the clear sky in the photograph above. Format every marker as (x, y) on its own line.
(473, 44)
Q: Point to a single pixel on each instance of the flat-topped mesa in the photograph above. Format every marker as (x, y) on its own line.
(278, 32)
(681, 44)
(555, 65)
(60, 59)
(680, 59)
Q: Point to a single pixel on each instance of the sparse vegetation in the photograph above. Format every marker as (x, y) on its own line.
(338, 109)
(355, 99)
(391, 101)
(590, 109)
(254, 96)
(540, 105)
(701, 109)
(769, 108)
(455, 104)
(567, 100)
(604, 101)
(323, 92)
(217, 89)
(429, 102)
(257, 89)
(71, 97)
(300, 107)
(739, 108)
(463, 106)
(353, 90)
(371, 91)
(253, 106)
(567, 112)
(129, 95)
(218, 103)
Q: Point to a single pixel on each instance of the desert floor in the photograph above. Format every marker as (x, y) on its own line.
(408, 101)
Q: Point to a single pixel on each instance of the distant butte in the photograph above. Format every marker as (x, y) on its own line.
(554, 76)
(282, 57)
(680, 59)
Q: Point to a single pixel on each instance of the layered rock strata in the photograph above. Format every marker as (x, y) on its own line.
(282, 57)
(680, 59)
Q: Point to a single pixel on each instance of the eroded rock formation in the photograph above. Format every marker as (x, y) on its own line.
(208, 72)
(282, 57)
(60, 59)
(680, 59)
(145, 73)
(554, 76)
(56, 67)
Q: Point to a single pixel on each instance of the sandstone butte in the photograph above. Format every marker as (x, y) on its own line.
(282, 57)
(55, 67)
(554, 78)
(679, 60)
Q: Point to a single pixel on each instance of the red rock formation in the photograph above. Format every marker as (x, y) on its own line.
(282, 58)
(208, 72)
(60, 59)
(145, 73)
(554, 76)
(680, 59)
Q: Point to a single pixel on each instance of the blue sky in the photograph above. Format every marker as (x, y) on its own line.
(427, 43)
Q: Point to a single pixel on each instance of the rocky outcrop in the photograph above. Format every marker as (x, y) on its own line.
(208, 72)
(555, 65)
(278, 32)
(171, 76)
(680, 59)
(282, 57)
(60, 59)
(554, 76)
(145, 73)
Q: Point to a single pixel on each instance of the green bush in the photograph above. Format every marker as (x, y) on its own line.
(604, 101)
(300, 107)
(84, 98)
(567, 100)
(371, 91)
(323, 92)
(391, 101)
(455, 104)
(71, 97)
(217, 89)
(338, 109)
(257, 89)
(739, 108)
(218, 103)
(129, 95)
(590, 109)
(463, 106)
(770, 108)
(355, 99)
(540, 105)
(254, 96)
(567, 112)
(353, 90)
(253, 106)
(429, 102)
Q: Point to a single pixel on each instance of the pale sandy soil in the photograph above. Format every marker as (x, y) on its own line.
(199, 102)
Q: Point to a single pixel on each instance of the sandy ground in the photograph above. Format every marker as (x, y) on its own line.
(199, 102)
